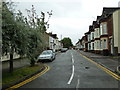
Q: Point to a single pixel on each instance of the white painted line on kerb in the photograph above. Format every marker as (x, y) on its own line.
(78, 83)
(72, 75)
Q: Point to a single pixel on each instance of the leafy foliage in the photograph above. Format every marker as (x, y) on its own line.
(66, 42)
(21, 34)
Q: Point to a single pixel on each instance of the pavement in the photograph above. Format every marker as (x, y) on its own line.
(17, 63)
(109, 62)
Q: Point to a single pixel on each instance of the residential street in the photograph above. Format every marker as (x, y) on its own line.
(79, 38)
(72, 70)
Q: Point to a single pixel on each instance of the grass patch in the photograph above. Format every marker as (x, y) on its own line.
(19, 74)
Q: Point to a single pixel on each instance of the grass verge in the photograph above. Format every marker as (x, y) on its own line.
(20, 74)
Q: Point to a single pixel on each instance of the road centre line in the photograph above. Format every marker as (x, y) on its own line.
(105, 69)
(30, 79)
(78, 83)
(72, 58)
(72, 75)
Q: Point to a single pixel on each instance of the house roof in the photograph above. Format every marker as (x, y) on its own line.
(91, 28)
(83, 38)
(87, 33)
(95, 24)
(109, 10)
(78, 41)
(98, 17)
(53, 35)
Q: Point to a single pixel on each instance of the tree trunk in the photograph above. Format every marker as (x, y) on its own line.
(11, 61)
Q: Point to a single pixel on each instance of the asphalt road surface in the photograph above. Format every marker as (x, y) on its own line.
(71, 70)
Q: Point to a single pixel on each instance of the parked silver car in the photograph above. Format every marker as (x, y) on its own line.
(64, 49)
(47, 55)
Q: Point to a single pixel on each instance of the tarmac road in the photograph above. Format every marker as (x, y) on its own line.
(72, 70)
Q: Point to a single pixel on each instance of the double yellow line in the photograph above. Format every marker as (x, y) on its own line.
(103, 68)
(30, 79)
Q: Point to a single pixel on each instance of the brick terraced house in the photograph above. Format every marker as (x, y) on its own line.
(103, 35)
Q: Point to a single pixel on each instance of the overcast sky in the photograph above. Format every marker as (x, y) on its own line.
(71, 18)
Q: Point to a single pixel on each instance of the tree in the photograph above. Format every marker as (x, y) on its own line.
(14, 33)
(20, 34)
(38, 26)
(67, 42)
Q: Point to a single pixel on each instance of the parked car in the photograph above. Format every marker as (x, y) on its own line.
(47, 55)
(64, 49)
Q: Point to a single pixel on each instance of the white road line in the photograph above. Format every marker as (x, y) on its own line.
(72, 58)
(72, 75)
(78, 83)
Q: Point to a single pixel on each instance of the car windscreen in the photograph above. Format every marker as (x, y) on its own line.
(46, 52)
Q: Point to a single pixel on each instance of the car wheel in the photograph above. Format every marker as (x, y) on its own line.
(38, 61)
(51, 60)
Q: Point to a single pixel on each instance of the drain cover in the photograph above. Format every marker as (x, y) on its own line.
(87, 67)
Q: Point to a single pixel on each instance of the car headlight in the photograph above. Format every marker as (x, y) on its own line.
(49, 57)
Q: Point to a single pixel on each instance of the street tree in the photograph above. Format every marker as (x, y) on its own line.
(20, 34)
(38, 26)
(13, 33)
(66, 42)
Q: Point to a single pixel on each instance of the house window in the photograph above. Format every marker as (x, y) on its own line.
(101, 29)
(104, 28)
(96, 32)
(93, 46)
(105, 43)
(89, 37)
(100, 44)
(99, 32)
(97, 45)
(92, 36)
(89, 46)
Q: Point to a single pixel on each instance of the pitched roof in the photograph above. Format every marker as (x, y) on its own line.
(109, 10)
(95, 24)
(87, 33)
(91, 28)
(53, 35)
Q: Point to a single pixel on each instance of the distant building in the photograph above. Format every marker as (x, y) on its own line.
(54, 43)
